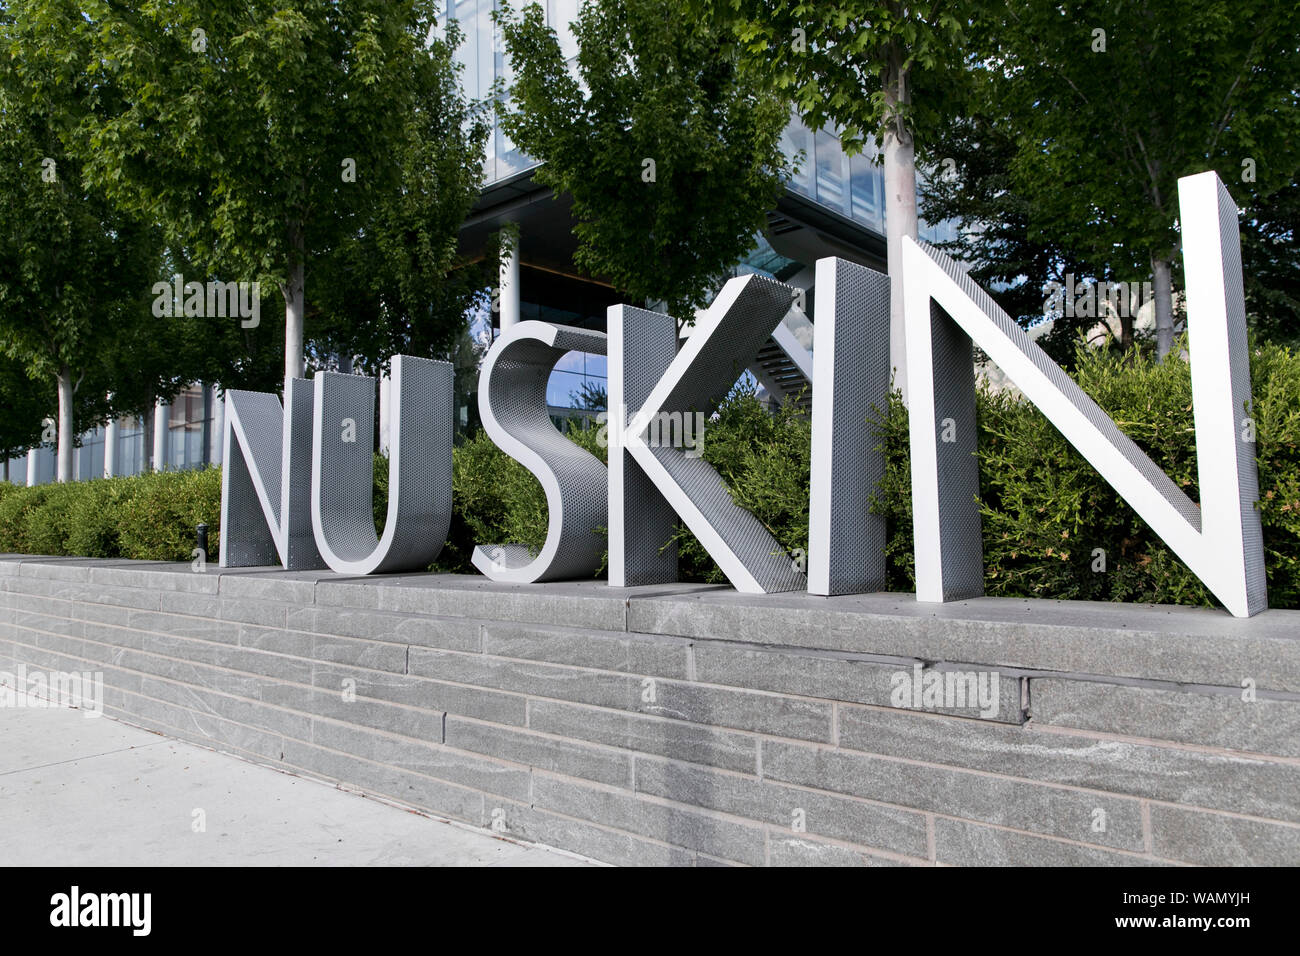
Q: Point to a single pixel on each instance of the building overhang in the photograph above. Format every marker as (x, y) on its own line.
(797, 228)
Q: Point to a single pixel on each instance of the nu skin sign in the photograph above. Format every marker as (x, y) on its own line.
(298, 478)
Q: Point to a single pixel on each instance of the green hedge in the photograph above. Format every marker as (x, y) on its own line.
(497, 500)
(150, 517)
(1047, 515)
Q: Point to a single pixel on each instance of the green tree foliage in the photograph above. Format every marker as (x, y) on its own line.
(671, 154)
(870, 68)
(267, 134)
(977, 189)
(1270, 265)
(1114, 100)
(971, 185)
(867, 68)
(27, 404)
(74, 270)
(234, 352)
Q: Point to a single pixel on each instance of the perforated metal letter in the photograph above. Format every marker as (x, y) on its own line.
(267, 470)
(419, 468)
(1220, 540)
(512, 404)
(693, 380)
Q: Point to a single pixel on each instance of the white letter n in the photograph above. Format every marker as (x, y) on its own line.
(945, 311)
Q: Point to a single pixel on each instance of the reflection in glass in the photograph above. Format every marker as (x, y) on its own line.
(831, 181)
(797, 137)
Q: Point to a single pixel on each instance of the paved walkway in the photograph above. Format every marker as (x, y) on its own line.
(79, 791)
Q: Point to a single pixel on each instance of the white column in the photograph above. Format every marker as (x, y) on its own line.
(110, 448)
(31, 466)
(218, 431)
(509, 300)
(160, 415)
(385, 411)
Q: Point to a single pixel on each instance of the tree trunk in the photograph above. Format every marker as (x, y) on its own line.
(900, 209)
(1164, 295)
(1126, 330)
(66, 435)
(294, 305)
(147, 463)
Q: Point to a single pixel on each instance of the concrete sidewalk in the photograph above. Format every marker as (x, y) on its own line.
(79, 791)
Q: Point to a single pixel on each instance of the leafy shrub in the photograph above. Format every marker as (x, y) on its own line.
(162, 509)
(763, 459)
(1048, 517)
(496, 499)
(47, 521)
(150, 516)
(15, 507)
(1275, 372)
(1050, 521)
(95, 517)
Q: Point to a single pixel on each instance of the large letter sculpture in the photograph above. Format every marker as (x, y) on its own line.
(650, 485)
(642, 548)
(846, 542)
(512, 404)
(1220, 541)
(650, 378)
(267, 454)
(419, 468)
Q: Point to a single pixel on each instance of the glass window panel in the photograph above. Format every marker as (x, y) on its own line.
(560, 388)
(46, 465)
(94, 458)
(130, 454)
(510, 159)
(488, 41)
(832, 188)
(466, 12)
(571, 362)
(868, 190)
(795, 138)
(561, 14)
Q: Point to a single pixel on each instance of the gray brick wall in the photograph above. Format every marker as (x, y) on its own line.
(690, 725)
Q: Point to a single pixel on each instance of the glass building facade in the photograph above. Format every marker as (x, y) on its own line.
(852, 186)
(132, 455)
(189, 429)
(482, 53)
(191, 441)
